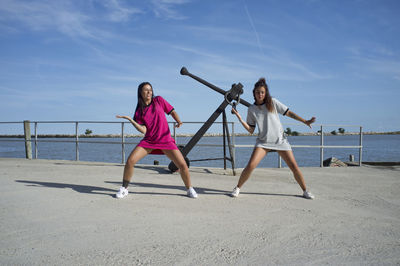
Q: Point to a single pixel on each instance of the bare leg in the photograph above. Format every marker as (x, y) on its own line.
(136, 155)
(257, 155)
(288, 157)
(177, 158)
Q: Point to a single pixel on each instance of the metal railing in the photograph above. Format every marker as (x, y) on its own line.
(322, 146)
(123, 142)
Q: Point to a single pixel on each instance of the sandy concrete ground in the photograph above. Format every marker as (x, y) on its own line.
(65, 213)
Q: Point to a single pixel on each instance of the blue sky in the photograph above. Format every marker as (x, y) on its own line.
(83, 60)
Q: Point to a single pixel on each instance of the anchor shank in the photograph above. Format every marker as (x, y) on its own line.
(233, 93)
(245, 103)
(184, 71)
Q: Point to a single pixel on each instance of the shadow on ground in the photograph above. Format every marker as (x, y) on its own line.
(134, 190)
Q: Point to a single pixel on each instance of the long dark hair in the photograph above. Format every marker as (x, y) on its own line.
(268, 99)
(141, 104)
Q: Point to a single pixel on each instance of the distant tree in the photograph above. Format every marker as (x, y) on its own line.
(295, 133)
(288, 131)
(341, 130)
(88, 132)
(333, 132)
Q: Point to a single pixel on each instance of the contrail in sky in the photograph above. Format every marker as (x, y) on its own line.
(254, 28)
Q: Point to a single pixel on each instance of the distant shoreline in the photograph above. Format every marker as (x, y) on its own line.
(190, 135)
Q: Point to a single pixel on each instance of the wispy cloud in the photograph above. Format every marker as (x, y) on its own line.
(254, 28)
(69, 18)
(167, 8)
(119, 12)
(277, 65)
(370, 57)
(46, 15)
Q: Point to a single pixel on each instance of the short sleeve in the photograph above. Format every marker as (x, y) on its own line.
(164, 104)
(250, 120)
(137, 117)
(280, 107)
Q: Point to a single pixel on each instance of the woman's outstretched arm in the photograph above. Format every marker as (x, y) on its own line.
(244, 124)
(140, 128)
(298, 118)
(175, 116)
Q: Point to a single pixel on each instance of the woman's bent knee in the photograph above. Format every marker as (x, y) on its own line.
(182, 166)
(130, 162)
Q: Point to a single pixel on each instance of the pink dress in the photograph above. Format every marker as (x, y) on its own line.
(158, 136)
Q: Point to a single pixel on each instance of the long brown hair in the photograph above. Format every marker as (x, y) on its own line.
(268, 99)
(141, 105)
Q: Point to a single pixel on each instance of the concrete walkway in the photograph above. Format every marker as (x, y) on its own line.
(65, 213)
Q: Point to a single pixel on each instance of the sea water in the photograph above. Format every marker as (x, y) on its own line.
(375, 148)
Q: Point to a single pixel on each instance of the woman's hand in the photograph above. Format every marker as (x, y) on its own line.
(178, 124)
(235, 112)
(309, 122)
(140, 128)
(123, 116)
(244, 124)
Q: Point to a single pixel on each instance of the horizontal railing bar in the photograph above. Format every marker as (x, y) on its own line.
(100, 122)
(328, 146)
(184, 122)
(203, 144)
(301, 146)
(198, 122)
(69, 141)
(210, 159)
(324, 125)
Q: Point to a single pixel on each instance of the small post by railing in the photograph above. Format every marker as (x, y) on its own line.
(76, 142)
(36, 149)
(28, 143)
(360, 150)
(279, 160)
(123, 142)
(174, 130)
(321, 163)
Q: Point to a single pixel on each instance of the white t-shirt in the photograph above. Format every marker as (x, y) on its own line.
(270, 130)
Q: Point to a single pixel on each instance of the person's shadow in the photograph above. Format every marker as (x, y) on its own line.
(111, 192)
(199, 190)
(77, 188)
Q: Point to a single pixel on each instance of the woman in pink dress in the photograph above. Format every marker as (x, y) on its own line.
(150, 120)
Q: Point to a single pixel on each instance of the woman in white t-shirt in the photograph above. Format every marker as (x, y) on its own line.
(264, 114)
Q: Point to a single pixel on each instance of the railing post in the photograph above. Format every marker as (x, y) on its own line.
(123, 142)
(28, 143)
(360, 151)
(321, 163)
(76, 142)
(279, 161)
(36, 149)
(234, 149)
(223, 136)
(174, 130)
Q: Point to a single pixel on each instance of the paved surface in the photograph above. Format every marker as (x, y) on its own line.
(65, 213)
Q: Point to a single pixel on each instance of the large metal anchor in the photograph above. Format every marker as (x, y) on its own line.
(231, 97)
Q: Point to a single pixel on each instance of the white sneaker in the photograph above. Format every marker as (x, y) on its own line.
(191, 193)
(308, 195)
(235, 192)
(122, 192)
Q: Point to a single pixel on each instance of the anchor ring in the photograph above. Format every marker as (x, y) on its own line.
(230, 102)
